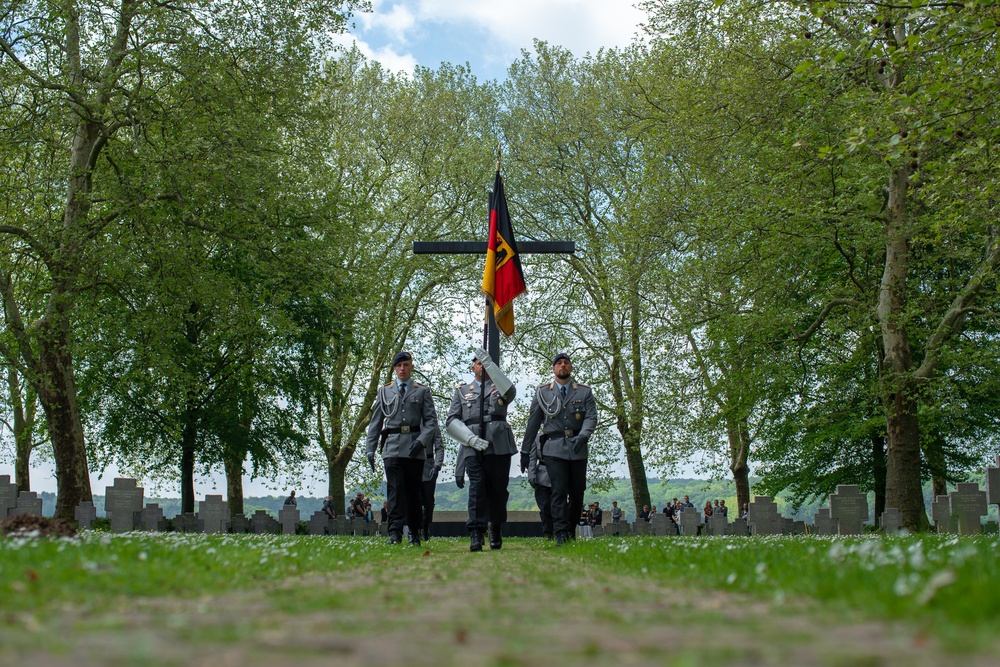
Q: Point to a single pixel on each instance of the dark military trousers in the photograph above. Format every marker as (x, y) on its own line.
(488, 477)
(403, 492)
(427, 490)
(543, 498)
(569, 481)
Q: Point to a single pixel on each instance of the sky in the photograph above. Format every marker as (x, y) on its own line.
(402, 34)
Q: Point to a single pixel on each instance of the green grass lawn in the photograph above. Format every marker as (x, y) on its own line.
(943, 587)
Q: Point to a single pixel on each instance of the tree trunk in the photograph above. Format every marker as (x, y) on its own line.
(636, 466)
(739, 447)
(337, 472)
(234, 484)
(189, 438)
(58, 400)
(24, 429)
(899, 389)
(878, 470)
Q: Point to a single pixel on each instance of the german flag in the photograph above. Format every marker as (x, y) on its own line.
(502, 277)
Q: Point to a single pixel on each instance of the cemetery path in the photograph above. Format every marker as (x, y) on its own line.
(444, 606)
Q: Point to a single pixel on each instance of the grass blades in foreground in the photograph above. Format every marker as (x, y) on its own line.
(947, 584)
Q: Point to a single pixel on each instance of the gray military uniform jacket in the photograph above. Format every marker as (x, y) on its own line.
(407, 427)
(465, 407)
(434, 463)
(563, 427)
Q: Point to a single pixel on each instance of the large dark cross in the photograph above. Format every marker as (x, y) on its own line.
(479, 248)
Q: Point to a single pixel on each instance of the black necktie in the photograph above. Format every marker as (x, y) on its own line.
(563, 390)
(402, 390)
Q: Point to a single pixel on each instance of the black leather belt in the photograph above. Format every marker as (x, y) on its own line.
(567, 433)
(489, 418)
(405, 428)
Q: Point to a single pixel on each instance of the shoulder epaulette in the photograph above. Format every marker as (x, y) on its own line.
(387, 384)
(544, 384)
(580, 384)
(459, 385)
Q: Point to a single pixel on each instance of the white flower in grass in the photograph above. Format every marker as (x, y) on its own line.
(938, 580)
(731, 579)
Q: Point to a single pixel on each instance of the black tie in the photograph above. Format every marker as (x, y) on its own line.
(402, 390)
(563, 390)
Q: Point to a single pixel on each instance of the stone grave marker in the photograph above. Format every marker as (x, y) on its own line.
(892, 521)
(239, 523)
(85, 514)
(319, 523)
(849, 506)
(823, 523)
(214, 513)
(599, 531)
(341, 526)
(991, 527)
(690, 521)
(763, 517)
(8, 495)
(288, 517)
(28, 502)
(739, 527)
(382, 530)
(717, 525)
(944, 522)
(659, 523)
(968, 503)
(121, 502)
(642, 527)
(992, 484)
(188, 522)
(151, 519)
(263, 522)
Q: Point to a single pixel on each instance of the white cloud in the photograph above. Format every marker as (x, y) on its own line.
(579, 25)
(388, 56)
(396, 20)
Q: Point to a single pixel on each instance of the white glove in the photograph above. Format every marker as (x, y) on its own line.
(458, 430)
(477, 443)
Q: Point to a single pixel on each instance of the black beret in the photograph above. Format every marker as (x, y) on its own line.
(561, 356)
(400, 357)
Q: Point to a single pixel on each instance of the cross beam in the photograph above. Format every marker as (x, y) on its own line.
(479, 248)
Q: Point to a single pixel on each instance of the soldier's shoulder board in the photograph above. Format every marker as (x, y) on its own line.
(459, 385)
(544, 384)
(387, 384)
(417, 384)
(580, 384)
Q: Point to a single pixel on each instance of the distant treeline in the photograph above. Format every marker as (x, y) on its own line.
(451, 498)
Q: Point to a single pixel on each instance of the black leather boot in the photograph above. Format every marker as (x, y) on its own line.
(496, 539)
(560, 539)
(414, 540)
(475, 541)
(395, 538)
(425, 534)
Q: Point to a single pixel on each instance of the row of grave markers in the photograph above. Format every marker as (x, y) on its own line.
(958, 512)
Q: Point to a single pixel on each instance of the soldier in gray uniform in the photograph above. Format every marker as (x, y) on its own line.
(432, 466)
(477, 418)
(402, 429)
(538, 478)
(565, 414)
